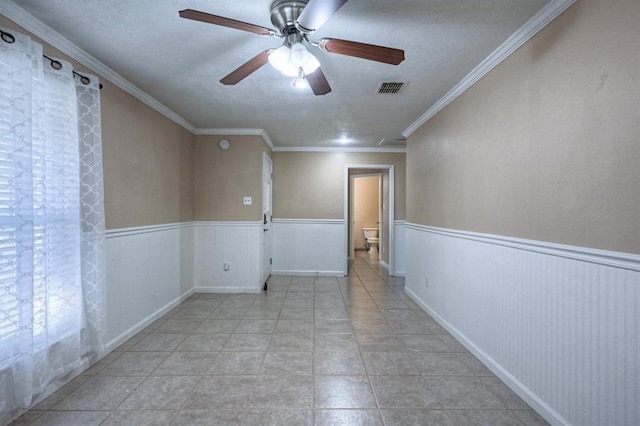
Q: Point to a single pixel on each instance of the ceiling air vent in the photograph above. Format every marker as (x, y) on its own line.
(391, 88)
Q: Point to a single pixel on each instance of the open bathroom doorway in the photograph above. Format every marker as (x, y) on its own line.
(365, 207)
(380, 210)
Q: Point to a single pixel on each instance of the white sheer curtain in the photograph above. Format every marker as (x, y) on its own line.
(51, 224)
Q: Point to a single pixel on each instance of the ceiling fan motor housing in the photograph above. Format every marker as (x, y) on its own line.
(285, 13)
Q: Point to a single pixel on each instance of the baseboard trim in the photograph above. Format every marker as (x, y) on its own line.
(308, 273)
(132, 331)
(523, 392)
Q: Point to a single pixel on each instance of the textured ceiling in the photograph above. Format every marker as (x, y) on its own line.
(179, 62)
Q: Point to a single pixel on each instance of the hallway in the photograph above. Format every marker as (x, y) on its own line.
(325, 351)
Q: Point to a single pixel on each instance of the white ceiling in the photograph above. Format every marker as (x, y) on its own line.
(179, 62)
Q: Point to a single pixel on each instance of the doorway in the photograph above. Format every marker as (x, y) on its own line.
(267, 191)
(365, 212)
(386, 247)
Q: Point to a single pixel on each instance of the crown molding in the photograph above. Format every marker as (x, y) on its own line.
(265, 136)
(229, 132)
(38, 28)
(371, 149)
(267, 140)
(29, 22)
(528, 30)
(237, 132)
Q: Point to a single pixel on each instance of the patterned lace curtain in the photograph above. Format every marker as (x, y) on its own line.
(52, 279)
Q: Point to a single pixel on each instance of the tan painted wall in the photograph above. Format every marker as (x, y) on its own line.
(223, 178)
(148, 159)
(366, 208)
(310, 185)
(547, 145)
(148, 164)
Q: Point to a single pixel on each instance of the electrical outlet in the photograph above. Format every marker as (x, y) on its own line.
(247, 201)
(426, 282)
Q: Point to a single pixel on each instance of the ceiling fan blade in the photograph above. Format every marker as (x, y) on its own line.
(246, 69)
(225, 22)
(372, 52)
(318, 82)
(316, 13)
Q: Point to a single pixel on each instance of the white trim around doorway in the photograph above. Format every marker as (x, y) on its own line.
(391, 215)
(350, 230)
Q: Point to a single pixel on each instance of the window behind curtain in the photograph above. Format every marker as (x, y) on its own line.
(51, 224)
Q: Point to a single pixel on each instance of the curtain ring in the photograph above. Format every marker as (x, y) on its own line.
(7, 37)
(56, 65)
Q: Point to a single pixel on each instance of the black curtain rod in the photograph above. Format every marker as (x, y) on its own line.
(55, 64)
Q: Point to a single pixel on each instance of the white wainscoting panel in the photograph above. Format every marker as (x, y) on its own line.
(559, 324)
(237, 243)
(148, 273)
(187, 252)
(308, 247)
(400, 248)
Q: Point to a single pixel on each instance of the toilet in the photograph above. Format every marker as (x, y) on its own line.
(371, 239)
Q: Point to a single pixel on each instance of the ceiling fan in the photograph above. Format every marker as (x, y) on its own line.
(295, 20)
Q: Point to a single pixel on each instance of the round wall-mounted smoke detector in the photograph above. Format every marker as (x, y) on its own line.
(223, 144)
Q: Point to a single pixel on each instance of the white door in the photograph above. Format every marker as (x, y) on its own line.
(267, 182)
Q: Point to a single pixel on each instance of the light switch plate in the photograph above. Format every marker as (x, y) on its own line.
(247, 201)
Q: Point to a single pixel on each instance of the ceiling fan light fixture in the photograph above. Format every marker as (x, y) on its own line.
(290, 70)
(279, 58)
(300, 83)
(311, 65)
(289, 60)
(299, 54)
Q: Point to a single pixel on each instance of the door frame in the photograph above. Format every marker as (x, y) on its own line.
(391, 215)
(350, 227)
(266, 160)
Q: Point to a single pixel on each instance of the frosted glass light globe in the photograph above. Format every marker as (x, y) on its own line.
(280, 58)
(311, 65)
(289, 60)
(299, 55)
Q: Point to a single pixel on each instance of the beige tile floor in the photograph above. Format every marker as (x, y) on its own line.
(325, 351)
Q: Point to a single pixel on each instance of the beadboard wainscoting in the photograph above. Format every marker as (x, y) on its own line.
(400, 244)
(559, 324)
(309, 247)
(149, 271)
(238, 244)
